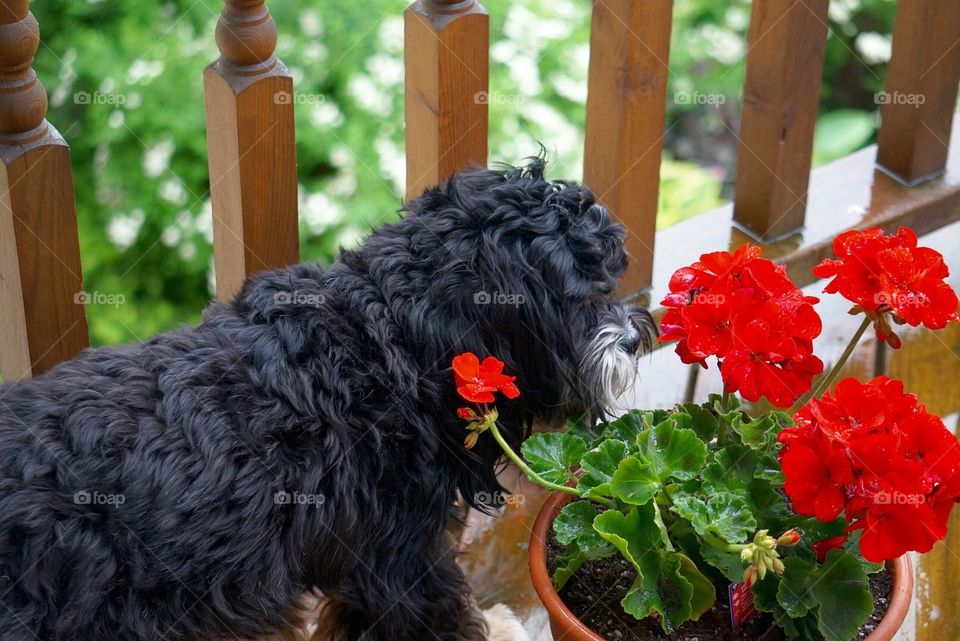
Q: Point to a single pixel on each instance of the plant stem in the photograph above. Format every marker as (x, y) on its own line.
(726, 401)
(720, 544)
(533, 476)
(830, 377)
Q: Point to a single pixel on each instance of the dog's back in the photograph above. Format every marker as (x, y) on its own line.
(115, 473)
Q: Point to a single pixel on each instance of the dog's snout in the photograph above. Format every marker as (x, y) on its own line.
(631, 342)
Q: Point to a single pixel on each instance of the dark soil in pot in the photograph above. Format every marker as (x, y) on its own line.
(608, 580)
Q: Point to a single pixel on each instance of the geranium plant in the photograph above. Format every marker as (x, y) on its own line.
(799, 504)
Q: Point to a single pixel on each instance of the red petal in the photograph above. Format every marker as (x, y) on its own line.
(829, 503)
(466, 366)
(491, 365)
(510, 390)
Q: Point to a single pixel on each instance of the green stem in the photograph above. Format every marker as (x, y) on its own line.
(726, 402)
(830, 377)
(533, 476)
(720, 544)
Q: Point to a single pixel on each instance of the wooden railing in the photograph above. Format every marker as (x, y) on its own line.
(252, 157)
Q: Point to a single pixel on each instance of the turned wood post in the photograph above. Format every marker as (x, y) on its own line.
(251, 148)
(446, 57)
(781, 92)
(626, 112)
(42, 317)
(920, 96)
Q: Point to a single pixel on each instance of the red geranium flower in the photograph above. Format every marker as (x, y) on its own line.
(884, 274)
(873, 452)
(477, 382)
(816, 475)
(821, 548)
(744, 310)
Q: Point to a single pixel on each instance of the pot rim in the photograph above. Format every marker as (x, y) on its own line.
(559, 613)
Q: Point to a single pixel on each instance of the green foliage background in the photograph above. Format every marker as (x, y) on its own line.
(126, 90)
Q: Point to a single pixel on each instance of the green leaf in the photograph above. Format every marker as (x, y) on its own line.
(566, 564)
(842, 590)
(829, 601)
(728, 563)
(579, 427)
(655, 417)
(634, 482)
(703, 421)
(704, 594)
(626, 428)
(768, 469)
(660, 588)
(723, 514)
(673, 452)
(574, 519)
(800, 629)
(599, 466)
(553, 454)
(765, 600)
(759, 433)
(794, 594)
(731, 470)
(575, 524)
(633, 534)
(716, 401)
(765, 593)
(662, 585)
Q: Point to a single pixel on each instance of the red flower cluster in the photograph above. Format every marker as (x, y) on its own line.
(881, 273)
(744, 310)
(477, 382)
(875, 454)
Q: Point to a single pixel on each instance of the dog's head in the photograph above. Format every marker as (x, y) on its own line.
(508, 264)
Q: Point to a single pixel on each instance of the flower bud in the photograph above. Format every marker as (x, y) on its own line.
(471, 440)
(789, 538)
(761, 556)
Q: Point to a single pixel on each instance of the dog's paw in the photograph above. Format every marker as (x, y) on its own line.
(504, 624)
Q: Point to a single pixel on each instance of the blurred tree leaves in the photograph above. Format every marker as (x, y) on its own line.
(125, 78)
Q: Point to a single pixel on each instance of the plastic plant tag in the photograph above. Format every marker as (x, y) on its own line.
(741, 604)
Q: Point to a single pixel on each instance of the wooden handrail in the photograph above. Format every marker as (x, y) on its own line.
(626, 111)
(781, 91)
(850, 193)
(920, 96)
(252, 149)
(42, 316)
(446, 58)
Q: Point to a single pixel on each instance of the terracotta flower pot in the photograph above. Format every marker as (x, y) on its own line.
(567, 627)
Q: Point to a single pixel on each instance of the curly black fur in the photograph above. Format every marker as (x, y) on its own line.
(304, 435)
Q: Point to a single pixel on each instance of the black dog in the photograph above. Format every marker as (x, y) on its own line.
(304, 436)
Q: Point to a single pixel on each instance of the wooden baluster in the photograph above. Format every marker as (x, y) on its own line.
(42, 318)
(787, 40)
(446, 57)
(920, 96)
(251, 147)
(626, 108)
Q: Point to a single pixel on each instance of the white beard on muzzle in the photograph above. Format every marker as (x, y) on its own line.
(609, 368)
